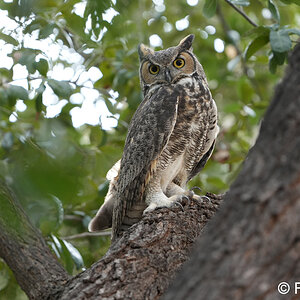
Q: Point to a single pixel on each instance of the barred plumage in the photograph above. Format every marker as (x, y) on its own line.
(170, 138)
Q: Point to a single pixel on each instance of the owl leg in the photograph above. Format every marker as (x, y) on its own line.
(174, 189)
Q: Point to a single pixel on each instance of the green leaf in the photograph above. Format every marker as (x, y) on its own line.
(39, 103)
(28, 59)
(46, 31)
(275, 59)
(272, 64)
(61, 250)
(17, 92)
(257, 31)
(75, 254)
(292, 31)
(274, 10)
(8, 39)
(255, 45)
(280, 40)
(42, 66)
(61, 88)
(60, 210)
(209, 8)
(66, 257)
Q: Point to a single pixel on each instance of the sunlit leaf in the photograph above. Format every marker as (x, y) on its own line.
(63, 253)
(75, 254)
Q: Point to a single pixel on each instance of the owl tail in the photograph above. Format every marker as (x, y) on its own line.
(103, 218)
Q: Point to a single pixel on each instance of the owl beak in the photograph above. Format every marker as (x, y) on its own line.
(168, 76)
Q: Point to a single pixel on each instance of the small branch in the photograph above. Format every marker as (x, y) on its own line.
(245, 68)
(241, 13)
(87, 234)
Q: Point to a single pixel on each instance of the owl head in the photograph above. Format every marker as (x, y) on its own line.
(168, 66)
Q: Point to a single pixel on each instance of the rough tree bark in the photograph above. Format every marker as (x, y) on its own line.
(137, 266)
(251, 245)
(25, 251)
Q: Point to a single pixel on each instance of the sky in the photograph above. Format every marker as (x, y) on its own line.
(93, 109)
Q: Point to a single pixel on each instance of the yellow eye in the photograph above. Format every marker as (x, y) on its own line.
(178, 63)
(154, 69)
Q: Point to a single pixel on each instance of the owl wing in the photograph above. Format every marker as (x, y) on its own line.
(200, 165)
(148, 134)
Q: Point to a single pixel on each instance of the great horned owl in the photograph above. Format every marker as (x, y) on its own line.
(170, 138)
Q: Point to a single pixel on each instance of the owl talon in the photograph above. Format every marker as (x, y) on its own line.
(195, 188)
(179, 204)
(188, 199)
(205, 197)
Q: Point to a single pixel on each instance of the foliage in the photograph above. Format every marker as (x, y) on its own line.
(47, 79)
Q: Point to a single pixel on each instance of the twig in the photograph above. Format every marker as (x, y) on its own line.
(241, 13)
(87, 234)
(245, 68)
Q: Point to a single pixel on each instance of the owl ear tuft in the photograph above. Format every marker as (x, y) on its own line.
(186, 43)
(144, 51)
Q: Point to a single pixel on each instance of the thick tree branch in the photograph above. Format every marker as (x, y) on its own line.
(24, 250)
(141, 263)
(253, 243)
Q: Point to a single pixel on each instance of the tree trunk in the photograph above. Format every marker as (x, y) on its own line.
(253, 243)
(24, 250)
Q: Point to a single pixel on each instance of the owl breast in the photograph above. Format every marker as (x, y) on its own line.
(194, 132)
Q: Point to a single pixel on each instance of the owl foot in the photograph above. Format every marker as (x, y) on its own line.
(168, 202)
(200, 198)
(197, 197)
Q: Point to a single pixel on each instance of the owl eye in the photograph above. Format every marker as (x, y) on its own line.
(154, 69)
(179, 63)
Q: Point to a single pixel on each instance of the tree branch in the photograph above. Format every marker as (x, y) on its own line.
(241, 13)
(142, 262)
(87, 234)
(24, 250)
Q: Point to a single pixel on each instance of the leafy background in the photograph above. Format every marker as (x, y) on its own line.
(57, 168)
